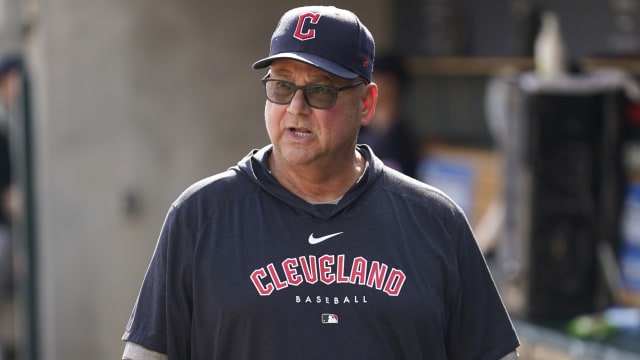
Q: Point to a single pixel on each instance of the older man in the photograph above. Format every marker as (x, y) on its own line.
(310, 248)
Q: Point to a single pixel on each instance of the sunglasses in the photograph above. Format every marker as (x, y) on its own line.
(322, 97)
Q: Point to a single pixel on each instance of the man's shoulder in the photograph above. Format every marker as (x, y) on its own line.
(418, 192)
(219, 186)
(402, 183)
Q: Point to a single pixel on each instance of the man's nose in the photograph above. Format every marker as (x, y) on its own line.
(298, 103)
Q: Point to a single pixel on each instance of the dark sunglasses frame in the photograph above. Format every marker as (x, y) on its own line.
(266, 79)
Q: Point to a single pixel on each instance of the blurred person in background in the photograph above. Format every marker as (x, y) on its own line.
(6, 246)
(310, 247)
(388, 134)
(10, 67)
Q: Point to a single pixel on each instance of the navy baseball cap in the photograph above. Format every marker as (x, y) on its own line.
(326, 37)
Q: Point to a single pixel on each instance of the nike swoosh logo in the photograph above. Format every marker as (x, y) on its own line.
(314, 240)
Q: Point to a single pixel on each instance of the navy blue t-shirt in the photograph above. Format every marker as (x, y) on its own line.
(244, 269)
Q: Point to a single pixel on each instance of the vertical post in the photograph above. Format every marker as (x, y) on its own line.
(22, 148)
(30, 223)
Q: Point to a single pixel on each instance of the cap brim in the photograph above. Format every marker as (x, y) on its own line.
(317, 61)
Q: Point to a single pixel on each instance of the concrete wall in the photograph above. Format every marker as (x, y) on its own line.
(134, 100)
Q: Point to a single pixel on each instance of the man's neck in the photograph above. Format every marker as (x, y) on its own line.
(313, 183)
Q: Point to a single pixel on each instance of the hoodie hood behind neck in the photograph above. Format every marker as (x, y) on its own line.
(256, 166)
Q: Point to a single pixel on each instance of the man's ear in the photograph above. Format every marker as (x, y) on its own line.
(369, 101)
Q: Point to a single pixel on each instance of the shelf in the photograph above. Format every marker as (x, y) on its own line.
(488, 66)
(466, 66)
(630, 65)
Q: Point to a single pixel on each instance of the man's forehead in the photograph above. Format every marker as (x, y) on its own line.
(289, 67)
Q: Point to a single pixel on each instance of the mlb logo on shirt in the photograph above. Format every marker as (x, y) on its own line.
(329, 318)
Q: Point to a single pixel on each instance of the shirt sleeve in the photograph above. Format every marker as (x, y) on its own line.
(160, 320)
(479, 325)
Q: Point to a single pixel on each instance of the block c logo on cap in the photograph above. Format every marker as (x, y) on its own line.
(302, 33)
